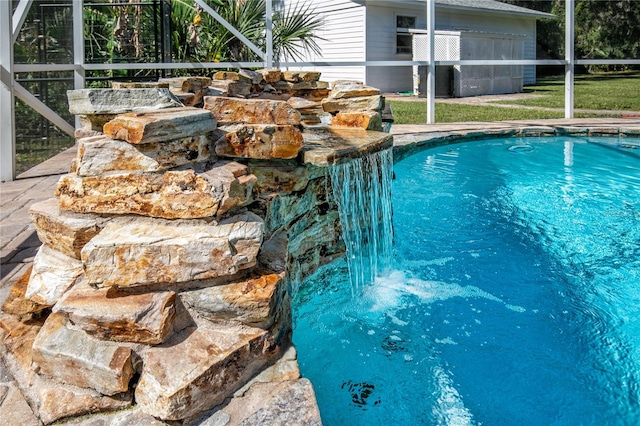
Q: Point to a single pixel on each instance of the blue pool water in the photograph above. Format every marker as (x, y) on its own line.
(513, 296)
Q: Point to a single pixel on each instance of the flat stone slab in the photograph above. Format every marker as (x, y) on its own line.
(100, 154)
(342, 89)
(62, 230)
(186, 84)
(326, 146)
(56, 401)
(296, 76)
(229, 88)
(159, 126)
(73, 357)
(52, 401)
(368, 120)
(53, 274)
(260, 141)
(119, 101)
(272, 403)
(150, 253)
(181, 194)
(251, 111)
(279, 177)
(16, 303)
(251, 300)
(270, 75)
(197, 369)
(14, 409)
(113, 315)
(361, 103)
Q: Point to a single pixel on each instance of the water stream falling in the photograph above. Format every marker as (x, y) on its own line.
(362, 190)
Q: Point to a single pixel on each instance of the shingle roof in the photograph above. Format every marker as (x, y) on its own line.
(491, 5)
(474, 5)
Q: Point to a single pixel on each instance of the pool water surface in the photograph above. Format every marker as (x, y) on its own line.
(513, 296)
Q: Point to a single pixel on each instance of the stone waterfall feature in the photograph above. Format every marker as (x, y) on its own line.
(362, 189)
(161, 292)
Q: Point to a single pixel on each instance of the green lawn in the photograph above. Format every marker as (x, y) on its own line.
(594, 92)
(614, 91)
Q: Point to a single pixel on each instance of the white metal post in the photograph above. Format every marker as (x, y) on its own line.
(269, 35)
(7, 128)
(431, 68)
(569, 53)
(78, 47)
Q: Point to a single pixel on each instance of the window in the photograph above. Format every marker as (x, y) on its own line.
(403, 38)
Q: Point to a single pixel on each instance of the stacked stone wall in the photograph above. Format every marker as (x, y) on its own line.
(173, 247)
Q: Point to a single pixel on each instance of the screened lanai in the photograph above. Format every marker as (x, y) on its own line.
(78, 61)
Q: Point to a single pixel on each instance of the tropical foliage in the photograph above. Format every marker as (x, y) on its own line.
(198, 37)
(603, 30)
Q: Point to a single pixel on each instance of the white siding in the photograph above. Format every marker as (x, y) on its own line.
(448, 19)
(344, 35)
(353, 32)
(381, 40)
(381, 46)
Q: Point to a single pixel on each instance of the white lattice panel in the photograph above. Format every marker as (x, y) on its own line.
(446, 47)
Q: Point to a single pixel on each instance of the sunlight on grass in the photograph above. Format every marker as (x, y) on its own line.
(614, 91)
(609, 92)
(415, 112)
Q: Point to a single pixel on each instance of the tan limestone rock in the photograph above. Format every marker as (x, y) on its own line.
(285, 403)
(197, 369)
(361, 103)
(110, 101)
(301, 85)
(171, 195)
(341, 89)
(191, 99)
(73, 357)
(100, 154)
(231, 75)
(235, 184)
(53, 274)
(56, 401)
(296, 76)
(230, 88)
(16, 303)
(368, 120)
(139, 84)
(52, 400)
(260, 141)
(159, 126)
(14, 409)
(325, 146)
(17, 337)
(111, 314)
(251, 300)
(186, 84)
(271, 75)
(279, 176)
(140, 254)
(253, 76)
(303, 104)
(94, 122)
(62, 230)
(251, 111)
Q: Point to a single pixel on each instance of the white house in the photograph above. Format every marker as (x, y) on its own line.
(385, 30)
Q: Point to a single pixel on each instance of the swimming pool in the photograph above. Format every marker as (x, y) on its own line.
(513, 296)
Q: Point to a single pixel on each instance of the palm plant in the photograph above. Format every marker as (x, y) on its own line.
(199, 37)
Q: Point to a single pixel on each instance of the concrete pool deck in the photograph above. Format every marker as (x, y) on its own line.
(19, 242)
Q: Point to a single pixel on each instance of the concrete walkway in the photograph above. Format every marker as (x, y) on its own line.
(19, 243)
